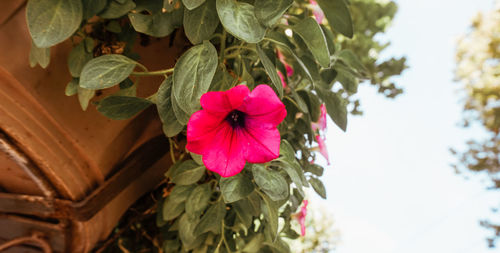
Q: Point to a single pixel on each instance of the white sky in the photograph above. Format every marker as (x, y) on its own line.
(390, 186)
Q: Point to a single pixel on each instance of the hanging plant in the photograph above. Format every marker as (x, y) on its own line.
(249, 97)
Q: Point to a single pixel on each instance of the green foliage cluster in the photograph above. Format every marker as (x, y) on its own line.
(478, 65)
(233, 42)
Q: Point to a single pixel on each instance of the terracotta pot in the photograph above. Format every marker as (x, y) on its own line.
(59, 162)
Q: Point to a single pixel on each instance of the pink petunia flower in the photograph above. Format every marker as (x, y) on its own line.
(317, 12)
(236, 126)
(289, 69)
(282, 78)
(322, 147)
(302, 217)
(321, 123)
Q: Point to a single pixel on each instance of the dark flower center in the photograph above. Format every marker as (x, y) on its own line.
(236, 119)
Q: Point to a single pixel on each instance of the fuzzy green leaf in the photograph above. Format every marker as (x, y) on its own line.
(309, 30)
(270, 70)
(271, 182)
(338, 15)
(77, 58)
(239, 20)
(122, 107)
(53, 21)
(235, 188)
(106, 71)
(188, 172)
(192, 4)
(171, 126)
(192, 76)
(318, 187)
(270, 11)
(40, 56)
(200, 23)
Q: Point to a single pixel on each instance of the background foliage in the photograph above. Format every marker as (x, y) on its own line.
(233, 42)
(478, 58)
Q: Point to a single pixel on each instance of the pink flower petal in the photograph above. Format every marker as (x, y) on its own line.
(225, 154)
(224, 101)
(322, 117)
(262, 142)
(317, 12)
(322, 148)
(264, 106)
(282, 77)
(289, 70)
(302, 218)
(201, 129)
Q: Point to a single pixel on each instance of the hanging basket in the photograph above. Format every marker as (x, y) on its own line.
(67, 176)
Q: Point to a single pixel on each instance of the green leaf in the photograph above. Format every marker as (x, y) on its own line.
(212, 219)
(269, 12)
(39, 56)
(338, 15)
(318, 187)
(198, 200)
(189, 172)
(84, 97)
(186, 231)
(270, 70)
(116, 9)
(114, 27)
(348, 81)
(295, 176)
(181, 192)
(172, 209)
(315, 169)
(309, 30)
(239, 19)
(92, 7)
(336, 107)
(351, 59)
(200, 23)
(174, 204)
(122, 107)
(271, 182)
(156, 25)
(235, 188)
(71, 87)
(53, 21)
(287, 150)
(171, 127)
(106, 71)
(192, 4)
(255, 244)
(270, 210)
(77, 58)
(243, 213)
(192, 76)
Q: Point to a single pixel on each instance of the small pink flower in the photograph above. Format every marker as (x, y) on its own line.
(282, 77)
(236, 126)
(321, 123)
(302, 217)
(317, 12)
(289, 69)
(322, 148)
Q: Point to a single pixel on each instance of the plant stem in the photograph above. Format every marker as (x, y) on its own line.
(153, 73)
(222, 46)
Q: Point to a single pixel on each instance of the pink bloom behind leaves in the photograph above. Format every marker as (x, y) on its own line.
(289, 69)
(320, 127)
(302, 218)
(317, 12)
(282, 77)
(321, 123)
(322, 148)
(236, 126)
